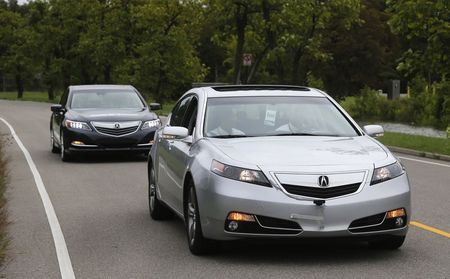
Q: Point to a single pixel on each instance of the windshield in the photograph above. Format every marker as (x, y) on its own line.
(108, 99)
(275, 116)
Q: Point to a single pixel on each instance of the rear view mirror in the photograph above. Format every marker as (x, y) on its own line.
(174, 132)
(56, 108)
(155, 106)
(374, 130)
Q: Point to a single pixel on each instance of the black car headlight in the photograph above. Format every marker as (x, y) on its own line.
(151, 124)
(387, 172)
(77, 125)
(237, 173)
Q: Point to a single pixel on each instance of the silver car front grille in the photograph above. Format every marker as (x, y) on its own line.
(322, 186)
(322, 193)
(116, 129)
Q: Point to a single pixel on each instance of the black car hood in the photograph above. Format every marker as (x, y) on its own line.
(110, 115)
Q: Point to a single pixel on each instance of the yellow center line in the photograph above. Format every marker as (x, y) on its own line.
(429, 228)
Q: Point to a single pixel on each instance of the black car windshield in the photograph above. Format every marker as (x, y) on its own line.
(228, 117)
(108, 99)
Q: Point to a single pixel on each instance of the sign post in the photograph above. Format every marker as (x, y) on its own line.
(247, 59)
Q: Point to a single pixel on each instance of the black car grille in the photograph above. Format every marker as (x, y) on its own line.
(278, 223)
(321, 193)
(368, 221)
(117, 132)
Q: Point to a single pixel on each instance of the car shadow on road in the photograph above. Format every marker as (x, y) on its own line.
(110, 157)
(311, 251)
(307, 251)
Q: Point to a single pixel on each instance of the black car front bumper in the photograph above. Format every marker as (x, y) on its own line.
(84, 141)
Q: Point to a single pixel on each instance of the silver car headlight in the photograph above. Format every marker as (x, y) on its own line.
(77, 125)
(236, 173)
(387, 172)
(151, 124)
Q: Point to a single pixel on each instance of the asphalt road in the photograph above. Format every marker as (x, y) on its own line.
(101, 204)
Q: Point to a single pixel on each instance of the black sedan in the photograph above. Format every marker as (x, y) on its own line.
(102, 118)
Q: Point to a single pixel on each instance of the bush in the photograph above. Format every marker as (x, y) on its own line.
(424, 106)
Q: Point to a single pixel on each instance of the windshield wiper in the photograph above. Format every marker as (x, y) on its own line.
(306, 134)
(296, 134)
(230, 136)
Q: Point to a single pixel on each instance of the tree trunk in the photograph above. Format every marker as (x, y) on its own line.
(296, 66)
(107, 73)
(241, 23)
(270, 37)
(19, 85)
(50, 92)
(158, 93)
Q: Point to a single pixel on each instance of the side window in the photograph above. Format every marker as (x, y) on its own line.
(64, 98)
(191, 116)
(178, 111)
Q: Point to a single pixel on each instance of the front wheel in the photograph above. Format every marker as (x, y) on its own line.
(54, 148)
(158, 211)
(389, 242)
(197, 243)
(65, 156)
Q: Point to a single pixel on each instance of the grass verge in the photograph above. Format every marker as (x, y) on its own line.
(3, 210)
(420, 143)
(29, 96)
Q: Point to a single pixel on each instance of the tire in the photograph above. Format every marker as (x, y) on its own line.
(158, 211)
(65, 156)
(55, 149)
(198, 245)
(389, 242)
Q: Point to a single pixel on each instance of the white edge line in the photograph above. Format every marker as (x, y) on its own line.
(423, 161)
(65, 265)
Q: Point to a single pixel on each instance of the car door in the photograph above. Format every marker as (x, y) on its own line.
(178, 157)
(58, 117)
(167, 180)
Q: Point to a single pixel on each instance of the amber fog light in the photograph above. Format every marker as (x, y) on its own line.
(77, 142)
(237, 216)
(395, 213)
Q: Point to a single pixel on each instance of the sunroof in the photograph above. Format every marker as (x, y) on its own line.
(259, 87)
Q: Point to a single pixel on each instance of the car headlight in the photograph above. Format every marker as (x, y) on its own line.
(77, 125)
(236, 173)
(151, 124)
(387, 172)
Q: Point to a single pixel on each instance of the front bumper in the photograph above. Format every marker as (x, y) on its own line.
(220, 196)
(141, 140)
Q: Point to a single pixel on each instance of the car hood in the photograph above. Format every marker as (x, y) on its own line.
(111, 114)
(302, 151)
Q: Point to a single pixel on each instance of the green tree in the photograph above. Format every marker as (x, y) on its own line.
(15, 45)
(425, 27)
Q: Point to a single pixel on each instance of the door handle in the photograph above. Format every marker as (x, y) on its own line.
(169, 144)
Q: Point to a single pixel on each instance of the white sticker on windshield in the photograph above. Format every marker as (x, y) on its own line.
(270, 117)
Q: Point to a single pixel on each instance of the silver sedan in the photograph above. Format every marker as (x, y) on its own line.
(274, 161)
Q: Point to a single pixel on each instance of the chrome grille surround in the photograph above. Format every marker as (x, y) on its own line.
(352, 182)
(110, 128)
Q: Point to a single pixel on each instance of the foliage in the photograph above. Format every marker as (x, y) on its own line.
(423, 107)
(162, 47)
(425, 26)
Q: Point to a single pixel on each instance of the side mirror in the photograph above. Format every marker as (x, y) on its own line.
(56, 108)
(374, 130)
(174, 132)
(155, 106)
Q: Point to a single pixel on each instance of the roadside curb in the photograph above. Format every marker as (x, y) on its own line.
(419, 153)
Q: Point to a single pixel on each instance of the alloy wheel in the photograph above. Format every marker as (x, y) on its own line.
(192, 216)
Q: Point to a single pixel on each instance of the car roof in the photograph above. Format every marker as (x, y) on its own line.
(101, 86)
(260, 90)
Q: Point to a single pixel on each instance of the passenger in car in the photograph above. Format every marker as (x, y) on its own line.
(223, 124)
